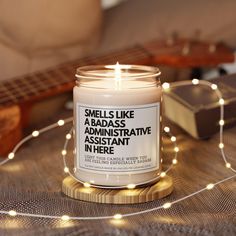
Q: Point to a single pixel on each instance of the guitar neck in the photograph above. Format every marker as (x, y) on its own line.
(180, 53)
(60, 79)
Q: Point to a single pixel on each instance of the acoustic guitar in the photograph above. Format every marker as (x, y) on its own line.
(19, 94)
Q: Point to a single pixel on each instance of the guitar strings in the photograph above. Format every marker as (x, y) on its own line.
(13, 92)
(13, 96)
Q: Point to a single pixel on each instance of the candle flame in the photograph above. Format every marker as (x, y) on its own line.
(117, 71)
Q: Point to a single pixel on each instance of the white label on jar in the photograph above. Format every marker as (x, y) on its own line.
(118, 139)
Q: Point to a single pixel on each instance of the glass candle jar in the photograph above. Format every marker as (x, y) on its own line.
(117, 113)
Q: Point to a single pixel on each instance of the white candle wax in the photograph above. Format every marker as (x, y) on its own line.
(117, 131)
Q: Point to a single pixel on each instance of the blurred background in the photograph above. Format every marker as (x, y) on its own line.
(35, 35)
(43, 42)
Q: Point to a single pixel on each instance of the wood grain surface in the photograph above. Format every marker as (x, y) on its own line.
(76, 190)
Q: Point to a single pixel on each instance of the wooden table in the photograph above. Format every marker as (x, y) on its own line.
(32, 183)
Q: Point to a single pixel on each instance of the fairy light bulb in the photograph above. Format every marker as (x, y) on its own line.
(12, 213)
(174, 161)
(176, 149)
(221, 101)
(35, 133)
(167, 129)
(228, 165)
(165, 86)
(11, 155)
(65, 217)
(163, 174)
(61, 122)
(210, 186)
(87, 185)
(173, 138)
(131, 186)
(74, 151)
(166, 205)
(117, 216)
(66, 169)
(214, 86)
(221, 145)
(68, 136)
(195, 81)
(221, 122)
(63, 152)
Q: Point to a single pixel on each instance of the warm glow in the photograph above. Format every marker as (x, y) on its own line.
(173, 138)
(125, 67)
(74, 151)
(221, 122)
(118, 222)
(167, 205)
(11, 155)
(174, 161)
(167, 129)
(117, 216)
(131, 186)
(221, 145)
(12, 213)
(87, 185)
(163, 174)
(35, 133)
(63, 152)
(228, 165)
(65, 217)
(195, 81)
(14, 224)
(117, 71)
(210, 186)
(66, 169)
(61, 122)
(222, 101)
(68, 136)
(176, 149)
(165, 86)
(214, 86)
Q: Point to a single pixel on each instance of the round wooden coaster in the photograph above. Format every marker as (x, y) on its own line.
(76, 190)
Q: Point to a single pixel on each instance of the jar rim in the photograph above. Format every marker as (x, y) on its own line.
(131, 72)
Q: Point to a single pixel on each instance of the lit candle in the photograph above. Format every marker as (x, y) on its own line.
(117, 124)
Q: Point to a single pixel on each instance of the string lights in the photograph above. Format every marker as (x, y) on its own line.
(118, 216)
